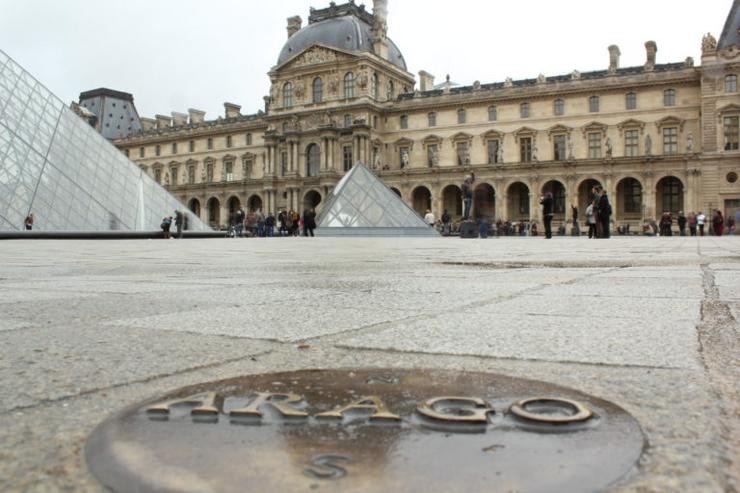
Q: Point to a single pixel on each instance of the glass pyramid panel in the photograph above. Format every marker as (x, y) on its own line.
(56, 166)
(362, 205)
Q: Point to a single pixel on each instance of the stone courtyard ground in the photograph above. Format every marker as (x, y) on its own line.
(650, 324)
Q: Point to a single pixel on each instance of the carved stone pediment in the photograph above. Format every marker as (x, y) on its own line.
(558, 129)
(432, 140)
(461, 137)
(670, 121)
(631, 124)
(594, 127)
(315, 55)
(490, 135)
(404, 143)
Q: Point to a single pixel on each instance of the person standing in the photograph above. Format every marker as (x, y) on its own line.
(681, 223)
(692, 223)
(467, 193)
(574, 213)
(179, 220)
(547, 203)
(239, 226)
(166, 225)
(429, 218)
(270, 225)
(309, 222)
(446, 220)
(28, 222)
(718, 221)
(603, 212)
(591, 221)
(701, 219)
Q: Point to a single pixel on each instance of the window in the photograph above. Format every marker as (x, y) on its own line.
(493, 146)
(247, 167)
(249, 139)
(594, 145)
(283, 163)
(158, 150)
(732, 132)
(191, 175)
(287, 95)
(524, 110)
(632, 196)
(670, 140)
(313, 160)
(461, 116)
(228, 141)
(672, 194)
(630, 101)
(559, 147)
(463, 154)
(318, 90)
(229, 169)
(525, 149)
(731, 83)
(631, 143)
(349, 85)
(347, 121)
(174, 148)
(404, 122)
(347, 157)
(432, 119)
(558, 107)
(209, 143)
(432, 155)
(173, 176)
(376, 86)
(158, 175)
(191, 146)
(209, 172)
(593, 104)
(669, 97)
(141, 152)
(492, 113)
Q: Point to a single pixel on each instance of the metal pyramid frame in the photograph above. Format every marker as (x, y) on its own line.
(55, 165)
(362, 205)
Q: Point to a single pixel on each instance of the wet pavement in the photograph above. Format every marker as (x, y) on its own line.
(648, 324)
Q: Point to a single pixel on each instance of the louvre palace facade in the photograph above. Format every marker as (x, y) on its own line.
(658, 137)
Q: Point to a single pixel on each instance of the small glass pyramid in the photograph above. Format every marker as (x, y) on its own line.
(362, 205)
(56, 166)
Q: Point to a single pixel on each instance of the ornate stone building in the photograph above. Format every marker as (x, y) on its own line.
(658, 137)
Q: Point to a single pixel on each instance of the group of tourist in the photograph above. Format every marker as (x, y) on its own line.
(256, 224)
(697, 223)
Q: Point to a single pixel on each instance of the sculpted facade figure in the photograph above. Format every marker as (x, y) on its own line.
(299, 89)
(333, 84)
(690, 143)
(648, 146)
(708, 44)
(500, 152)
(609, 149)
(571, 155)
(404, 158)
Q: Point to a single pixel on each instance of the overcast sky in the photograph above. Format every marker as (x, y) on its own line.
(178, 54)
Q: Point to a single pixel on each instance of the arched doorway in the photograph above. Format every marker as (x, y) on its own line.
(557, 190)
(629, 199)
(452, 200)
(484, 200)
(312, 199)
(313, 160)
(234, 204)
(585, 194)
(669, 196)
(422, 200)
(194, 206)
(518, 202)
(396, 191)
(214, 213)
(254, 203)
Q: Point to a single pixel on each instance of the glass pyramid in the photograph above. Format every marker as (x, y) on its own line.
(55, 165)
(362, 205)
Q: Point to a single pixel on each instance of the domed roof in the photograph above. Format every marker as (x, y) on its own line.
(346, 33)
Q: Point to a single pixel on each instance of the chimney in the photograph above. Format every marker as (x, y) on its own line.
(232, 110)
(179, 119)
(380, 28)
(163, 121)
(651, 49)
(294, 25)
(148, 123)
(426, 81)
(196, 116)
(614, 54)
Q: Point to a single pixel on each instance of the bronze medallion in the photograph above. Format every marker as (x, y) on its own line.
(367, 431)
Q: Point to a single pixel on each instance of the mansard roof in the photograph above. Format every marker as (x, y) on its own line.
(731, 33)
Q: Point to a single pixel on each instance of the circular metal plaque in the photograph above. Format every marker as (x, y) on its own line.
(367, 431)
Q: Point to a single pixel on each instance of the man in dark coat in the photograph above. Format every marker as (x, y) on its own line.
(179, 220)
(547, 212)
(603, 212)
(309, 222)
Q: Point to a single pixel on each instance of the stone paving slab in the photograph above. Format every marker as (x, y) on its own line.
(54, 362)
(483, 332)
(17, 294)
(645, 288)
